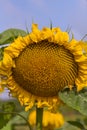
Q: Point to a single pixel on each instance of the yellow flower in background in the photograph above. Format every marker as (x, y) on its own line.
(41, 64)
(49, 121)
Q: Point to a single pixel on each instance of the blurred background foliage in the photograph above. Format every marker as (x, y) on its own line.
(73, 119)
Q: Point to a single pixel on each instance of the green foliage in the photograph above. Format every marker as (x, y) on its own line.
(5, 113)
(76, 100)
(72, 125)
(16, 120)
(85, 121)
(9, 35)
(77, 124)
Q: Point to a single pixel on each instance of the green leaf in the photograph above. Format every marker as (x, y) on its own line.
(8, 107)
(2, 122)
(5, 113)
(78, 101)
(16, 120)
(85, 121)
(77, 124)
(9, 35)
(69, 126)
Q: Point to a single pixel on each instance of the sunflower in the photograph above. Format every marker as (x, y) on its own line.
(49, 121)
(41, 64)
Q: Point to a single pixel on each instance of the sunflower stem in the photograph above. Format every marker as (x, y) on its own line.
(39, 117)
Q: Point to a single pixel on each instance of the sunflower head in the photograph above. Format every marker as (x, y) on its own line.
(41, 64)
(49, 121)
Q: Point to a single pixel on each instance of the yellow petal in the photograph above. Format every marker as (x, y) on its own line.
(61, 37)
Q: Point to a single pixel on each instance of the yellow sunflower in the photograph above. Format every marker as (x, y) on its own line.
(49, 121)
(41, 64)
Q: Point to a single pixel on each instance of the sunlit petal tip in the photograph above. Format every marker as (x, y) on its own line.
(34, 27)
(55, 30)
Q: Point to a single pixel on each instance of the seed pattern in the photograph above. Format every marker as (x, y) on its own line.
(44, 69)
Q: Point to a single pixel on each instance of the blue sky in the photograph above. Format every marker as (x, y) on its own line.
(62, 13)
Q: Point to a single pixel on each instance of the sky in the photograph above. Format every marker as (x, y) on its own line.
(62, 13)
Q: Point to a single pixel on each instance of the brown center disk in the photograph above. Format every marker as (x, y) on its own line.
(43, 69)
